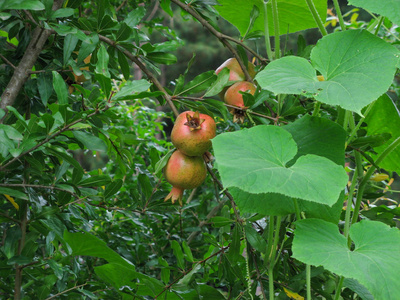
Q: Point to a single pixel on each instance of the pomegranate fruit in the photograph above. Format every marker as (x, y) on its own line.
(183, 172)
(192, 133)
(232, 95)
(235, 71)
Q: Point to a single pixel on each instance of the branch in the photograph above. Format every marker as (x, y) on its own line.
(217, 34)
(21, 73)
(65, 128)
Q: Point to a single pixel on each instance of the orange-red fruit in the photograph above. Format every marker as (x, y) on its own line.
(236, 72)
(192, 133)
(232, 95)
(184, 172)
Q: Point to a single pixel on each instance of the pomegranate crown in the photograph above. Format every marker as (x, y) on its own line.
(194, 122)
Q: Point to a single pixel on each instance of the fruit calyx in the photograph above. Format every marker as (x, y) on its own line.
(175, 194)
(194, 122)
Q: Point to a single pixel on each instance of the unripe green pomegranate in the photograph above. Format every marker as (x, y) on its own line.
(183, 172)
(192, 133)
(236, 72)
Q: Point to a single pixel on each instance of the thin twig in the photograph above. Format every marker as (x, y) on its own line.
(7, 61)
(10, 218)
(66, 291)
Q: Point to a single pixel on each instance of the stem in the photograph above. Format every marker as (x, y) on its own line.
(316, 17)
(317, 107)
(355, 129)
(276, 28)
(266, 31)
(381, 18)
(339, 14)
(339, 288)
(370, 171)
(19, 268)
(350, 203)
(308, 281)
(297, 209)
(272, 258)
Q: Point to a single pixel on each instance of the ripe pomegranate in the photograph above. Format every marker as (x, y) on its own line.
(183, 172)
(236, 72)
(233, 97)
(192, 133)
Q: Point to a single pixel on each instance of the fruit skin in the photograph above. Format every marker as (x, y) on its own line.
(191, 135)
(232, 95)
(236, 72)
(183, 172)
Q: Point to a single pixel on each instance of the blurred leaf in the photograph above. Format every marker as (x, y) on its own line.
(45, 86)
(255, 239)
(113, 188)
(70, 43)
(95, 181)
(11, 132)
(60, 88)
(178, 253)
(188, 252)
(105, 84)
(21, 4)
(62, 13)
(124, 65)
(164, 58)
(163, 161)
(102, 62)
(90, 141)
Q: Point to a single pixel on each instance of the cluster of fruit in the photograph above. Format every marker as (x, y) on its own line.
(186, 169)
(192, 134)
(232, 95)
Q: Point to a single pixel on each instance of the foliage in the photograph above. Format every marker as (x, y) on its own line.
(299, 201)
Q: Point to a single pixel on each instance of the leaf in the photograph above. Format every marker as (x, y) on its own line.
(372, 262)
(62, 13)
(60, 88)
(164, 58)
(348, 62)
(93, 181)
(178, 254)
(255, 239)
(90, 245)
(11, 132)
(70, 43)
(45, 86)
(131, 88)
(219, 84)
(388, 8)
(355, 286)
(12, 201)
(199, 83)
(384, 118)
(163, 161)
(105, 84)
(13, 192)
(294, 15)
(123, 33)
(102, 62)
(255, 161)
(112, 188)
(124, 65)
(90, 141)
(21, 4)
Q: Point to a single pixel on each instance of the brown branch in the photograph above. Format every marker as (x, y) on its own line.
(21, 73)
(217, 34)
(10, 218)
(66, 291)
(7, 62)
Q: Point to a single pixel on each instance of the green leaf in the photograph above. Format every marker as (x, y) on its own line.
(60, 88)
(348, 62)
(163, 161)
(62, 13)
(164, 58)
(131, 88)
(221, 221)
(135, 16)
(255, 239)
(90, 141)
(105, 84)
(178, 254)
(255, 161)
(21, 4)
(358, 288)
(93, 181)
(372, 262)
(112, 188)
(384, 117)
(388, 8)
(294, 15)
(70, 42)
(11, 132)
(123, 33)
(124, 65)
(45, 86)
(199, 83)
(13, 193)
(89, 245)
(219, 84)
(102, 62)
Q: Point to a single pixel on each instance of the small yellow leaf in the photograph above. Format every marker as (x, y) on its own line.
(379, 177)
(11, 199)
(293, 295)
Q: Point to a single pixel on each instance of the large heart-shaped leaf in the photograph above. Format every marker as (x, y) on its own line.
(255, 161)
(312, 135)
(347, 60)
(383, 110)
(294, 15)
(374, 262)
(388, 8)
